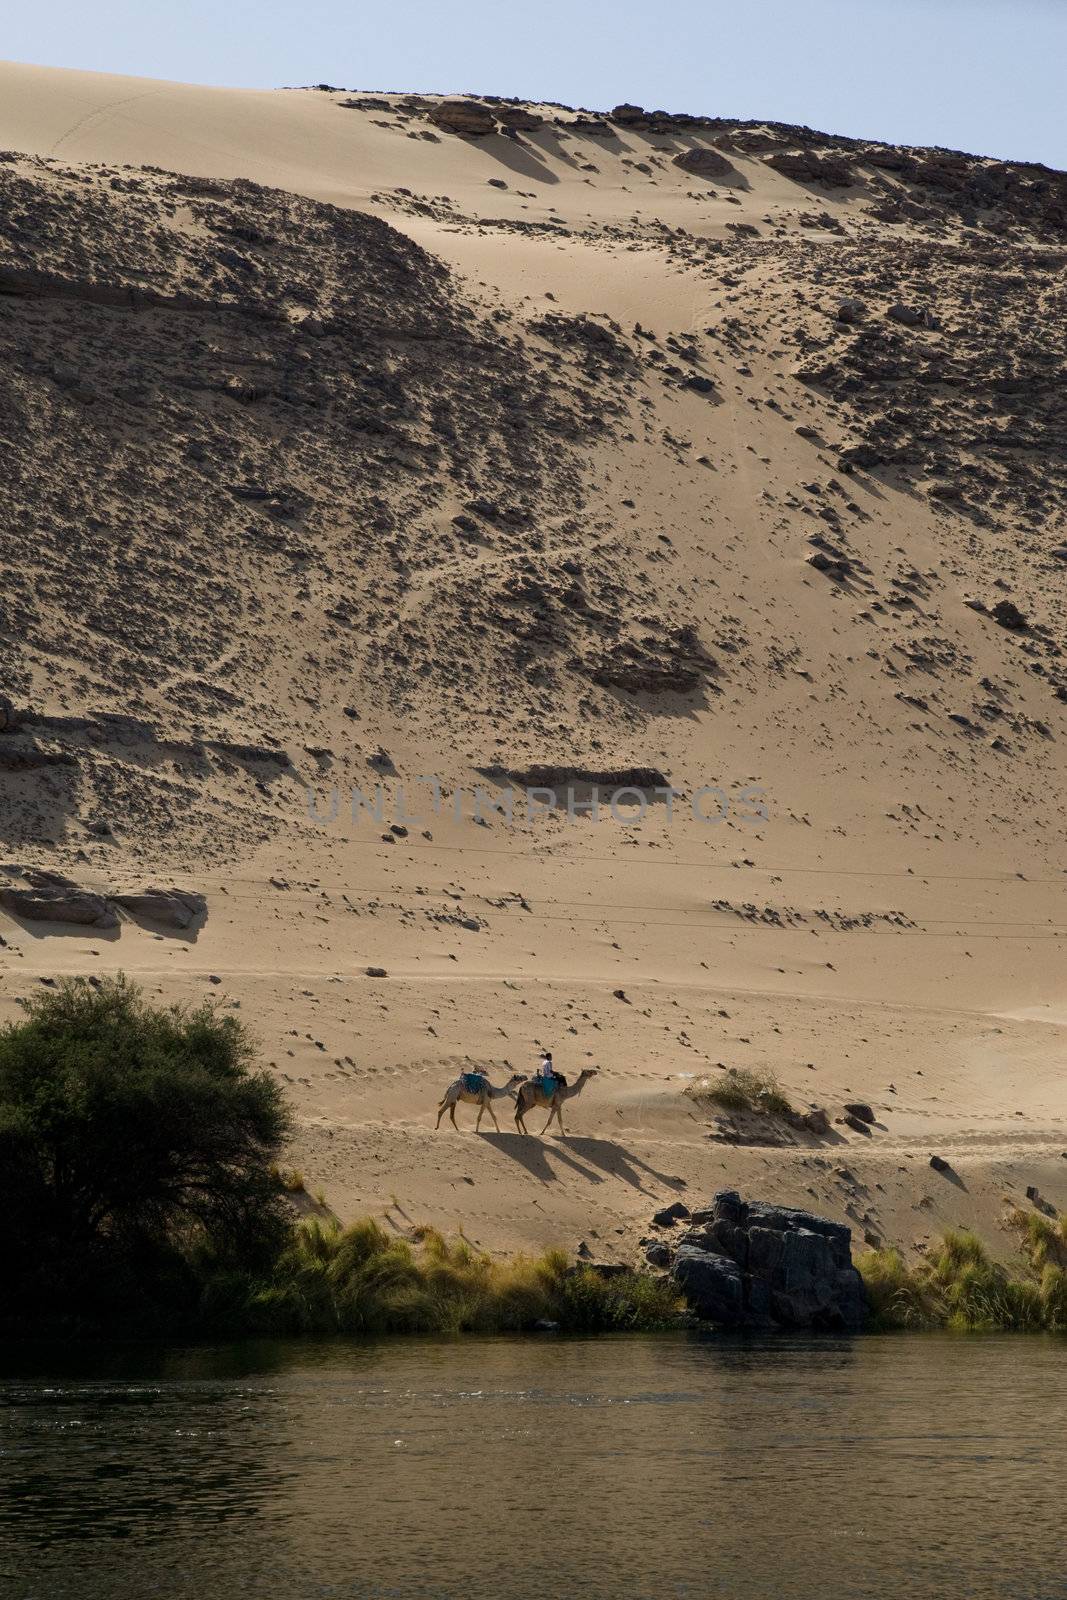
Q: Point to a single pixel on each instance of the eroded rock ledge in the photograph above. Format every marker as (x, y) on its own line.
(747, 1265)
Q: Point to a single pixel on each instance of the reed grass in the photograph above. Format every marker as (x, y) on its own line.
(959, 1287)
(364, 1280)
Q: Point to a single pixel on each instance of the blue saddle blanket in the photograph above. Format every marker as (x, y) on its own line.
(548, 1084)
(473, 1082)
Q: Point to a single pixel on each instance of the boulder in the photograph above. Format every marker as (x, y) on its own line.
(750, 1265)
(171, 908)
(669, 1215)
(805, 166)
(712, 1284)
(911, 316)
(1007, 613)
(467, 117)
(518, 119)
(704, 162)
(628, 116)
(860, 1110)
(851, 311)
(50, 897)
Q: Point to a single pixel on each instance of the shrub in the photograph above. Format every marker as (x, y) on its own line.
(743, 1089)
(136, 1144)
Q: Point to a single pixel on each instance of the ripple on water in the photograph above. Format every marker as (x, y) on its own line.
(662, 1467)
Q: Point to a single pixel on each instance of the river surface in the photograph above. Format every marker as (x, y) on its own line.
(534, 1469)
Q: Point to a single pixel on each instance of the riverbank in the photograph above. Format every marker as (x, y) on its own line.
(361, 1282)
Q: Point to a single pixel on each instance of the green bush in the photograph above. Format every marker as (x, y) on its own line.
(136, 1150)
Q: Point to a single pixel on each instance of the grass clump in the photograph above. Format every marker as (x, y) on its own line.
(744, 1089)
(959, 1287)
(362, 1280)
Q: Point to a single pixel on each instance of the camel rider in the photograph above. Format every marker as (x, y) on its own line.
(547, 1073)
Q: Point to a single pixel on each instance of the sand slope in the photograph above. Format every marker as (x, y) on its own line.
(547, 452)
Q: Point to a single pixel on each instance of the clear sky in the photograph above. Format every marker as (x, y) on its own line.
(981, 75)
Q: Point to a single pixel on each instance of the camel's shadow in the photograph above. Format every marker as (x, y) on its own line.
(595, 1160)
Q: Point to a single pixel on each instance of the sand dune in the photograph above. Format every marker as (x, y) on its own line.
(346, 449)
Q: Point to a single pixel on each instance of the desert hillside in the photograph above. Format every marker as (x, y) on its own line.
(443, 449)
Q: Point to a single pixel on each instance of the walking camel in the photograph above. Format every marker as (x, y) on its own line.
(532, 1094)
(482, 1097)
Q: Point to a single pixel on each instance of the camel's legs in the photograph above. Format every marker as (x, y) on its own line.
(452, 1114)
(440, 1113)
(478, 1118)
(519, 1123)
(492, 1113)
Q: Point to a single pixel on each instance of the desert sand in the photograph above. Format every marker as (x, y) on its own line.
(349, 443)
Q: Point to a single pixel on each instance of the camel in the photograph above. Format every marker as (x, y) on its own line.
(483, 1099)
(532, 1094)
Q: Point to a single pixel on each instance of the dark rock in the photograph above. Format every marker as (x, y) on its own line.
(754, 1265)
(629, 116)
(851, 311)
(53, 898)
(859, 455)
(518, 119)
(376, 972)
(939, 1164)
(1007, 613)
(816, 1121)
(704, 162)
(911, 316)
(467, 117)
(712, 1285)
(8, 716)
(805, 166)
(669, 1215)
(658, 1253)
(860, 1109)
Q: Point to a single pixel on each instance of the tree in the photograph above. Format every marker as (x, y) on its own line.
(131, 1136)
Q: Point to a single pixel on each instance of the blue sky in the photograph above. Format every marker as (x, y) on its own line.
(979, 75)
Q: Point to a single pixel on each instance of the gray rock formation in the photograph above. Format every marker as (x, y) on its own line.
(171, 908)
(750, 1265)
(468, 117)
(52, 898)
(704, 162)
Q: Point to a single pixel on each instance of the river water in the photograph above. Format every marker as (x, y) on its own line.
(535, 1469)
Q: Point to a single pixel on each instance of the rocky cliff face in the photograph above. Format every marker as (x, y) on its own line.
(748, 1265)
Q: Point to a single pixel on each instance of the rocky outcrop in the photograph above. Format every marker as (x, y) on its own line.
(43, 896)
(467, 117)
(519, 119)
(703, 162)
(50, 897)
(750, 1265)
(170, 908)
(806, 166)
(9, 720)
